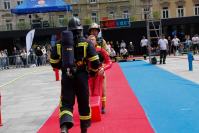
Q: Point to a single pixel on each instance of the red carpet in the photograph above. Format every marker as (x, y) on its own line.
(124, 113)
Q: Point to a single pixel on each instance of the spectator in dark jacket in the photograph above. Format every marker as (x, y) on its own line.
(39, 54)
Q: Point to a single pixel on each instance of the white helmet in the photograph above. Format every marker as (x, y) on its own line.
(94, 26)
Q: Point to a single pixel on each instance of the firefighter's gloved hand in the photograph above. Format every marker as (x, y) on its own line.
(101, 71)
(100, 41)
(69, 72)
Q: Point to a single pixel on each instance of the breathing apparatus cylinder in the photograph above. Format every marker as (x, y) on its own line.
(68, 60)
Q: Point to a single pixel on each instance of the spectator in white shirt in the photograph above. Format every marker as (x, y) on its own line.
(124, 53)
(122, 44)
(113, 54)
(163, 45)
(144, 45)
(175, 43)
(108, 46)
(195, 42)
(187, 43)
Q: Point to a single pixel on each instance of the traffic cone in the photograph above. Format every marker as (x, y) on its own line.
(0, 112)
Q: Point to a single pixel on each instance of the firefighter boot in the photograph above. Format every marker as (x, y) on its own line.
(64, 129)
(83, 130)
(103, 111)
(144, 57)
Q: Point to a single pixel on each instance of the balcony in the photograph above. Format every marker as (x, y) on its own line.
(164, 3)
(34, 25)
(196, 1)
(145, 1)
(180, 2)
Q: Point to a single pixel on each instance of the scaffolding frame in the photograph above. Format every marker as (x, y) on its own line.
(153, 26)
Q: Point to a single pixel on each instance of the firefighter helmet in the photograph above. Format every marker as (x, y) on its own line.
(94, 26)
(74, 24)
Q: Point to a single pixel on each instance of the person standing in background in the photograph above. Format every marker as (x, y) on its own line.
(175, 44)
(130, 49)
(163, 46)
(144, 45)
(169, 45)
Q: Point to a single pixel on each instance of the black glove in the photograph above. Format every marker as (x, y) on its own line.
(100, 41)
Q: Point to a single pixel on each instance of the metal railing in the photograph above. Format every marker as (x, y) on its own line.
(18, 61)
(26, 26)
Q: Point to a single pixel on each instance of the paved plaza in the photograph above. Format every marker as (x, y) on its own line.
(30, 95)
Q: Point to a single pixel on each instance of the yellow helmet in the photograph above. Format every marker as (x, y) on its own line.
(94, 26)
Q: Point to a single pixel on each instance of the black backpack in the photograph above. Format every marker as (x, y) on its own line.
(154, 60)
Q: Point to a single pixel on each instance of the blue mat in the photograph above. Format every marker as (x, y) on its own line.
(170, 102)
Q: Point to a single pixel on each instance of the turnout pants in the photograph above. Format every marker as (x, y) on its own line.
(71, 87)
(163, 54)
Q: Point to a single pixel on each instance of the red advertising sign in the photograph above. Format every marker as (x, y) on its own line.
(116, 23)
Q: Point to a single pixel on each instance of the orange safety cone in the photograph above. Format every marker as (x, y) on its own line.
(0, 112)
(56, 74)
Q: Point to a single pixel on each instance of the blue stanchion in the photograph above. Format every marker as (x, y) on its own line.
(190, 60)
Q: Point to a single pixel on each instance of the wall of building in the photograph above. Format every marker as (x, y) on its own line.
(187, 25)
(84, 9)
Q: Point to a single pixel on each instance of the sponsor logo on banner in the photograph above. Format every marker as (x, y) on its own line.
(115, 23)
(41, 2)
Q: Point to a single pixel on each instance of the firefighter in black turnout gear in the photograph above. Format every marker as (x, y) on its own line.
(73, 56)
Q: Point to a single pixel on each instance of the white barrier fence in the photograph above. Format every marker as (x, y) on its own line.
(18, 61)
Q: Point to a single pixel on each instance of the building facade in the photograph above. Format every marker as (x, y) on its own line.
(177, 16)
(9, 21)
(95, 10)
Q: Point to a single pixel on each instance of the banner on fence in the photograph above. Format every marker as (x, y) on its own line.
(29, 40)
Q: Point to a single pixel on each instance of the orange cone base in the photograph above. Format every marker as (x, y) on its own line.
(95, 108)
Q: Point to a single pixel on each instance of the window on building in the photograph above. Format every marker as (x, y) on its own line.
(196, 11)
(165, 12)
(19, 2)
(111, 15)
(61, 19)
(125, 14)
(6, 4)
(93, 1)
(75, 1)
(145, 12)
(180, 11)
(8, 25)
(75, 15)
(94, 17)
(22, 20)
(21, 24)
(110, 0)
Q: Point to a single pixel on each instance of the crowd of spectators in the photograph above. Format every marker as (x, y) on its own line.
(179, 46)
(37, 56)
